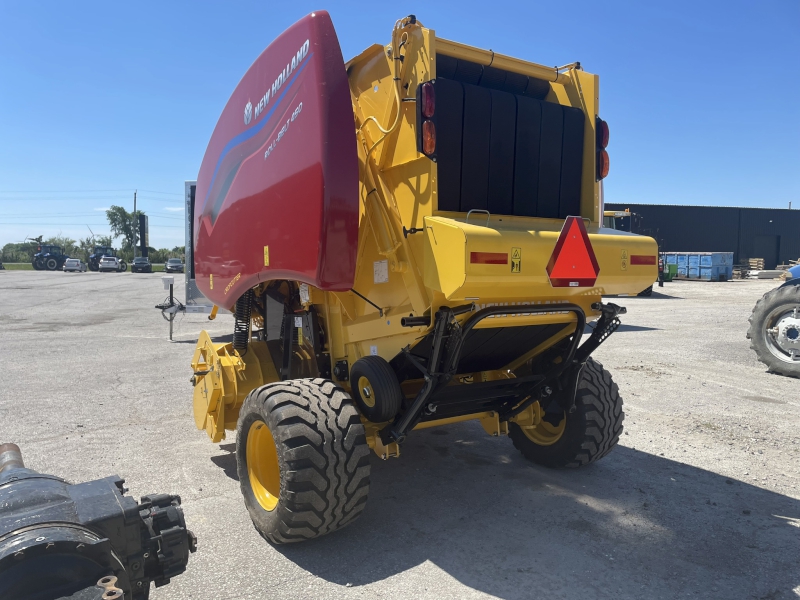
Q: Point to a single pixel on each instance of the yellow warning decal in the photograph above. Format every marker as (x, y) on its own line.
(516, 260)
(624, 260)
(211, 281)
(266, 256)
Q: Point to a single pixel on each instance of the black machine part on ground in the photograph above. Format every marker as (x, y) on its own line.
(87, 540)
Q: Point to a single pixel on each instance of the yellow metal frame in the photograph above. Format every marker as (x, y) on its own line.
(413, 274)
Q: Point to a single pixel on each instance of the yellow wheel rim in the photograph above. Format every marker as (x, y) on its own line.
(366, 392)
(262, 465)
(545, 434)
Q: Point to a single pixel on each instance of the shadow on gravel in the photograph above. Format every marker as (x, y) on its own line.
(632, 525)
(217, 339)
(623, 328)
(227, 462)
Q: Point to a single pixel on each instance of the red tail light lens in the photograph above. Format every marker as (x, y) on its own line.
(428, 100)
(428, 138)
(602, 133)
(603, 164)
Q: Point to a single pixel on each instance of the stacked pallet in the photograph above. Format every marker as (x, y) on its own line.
(756, 264)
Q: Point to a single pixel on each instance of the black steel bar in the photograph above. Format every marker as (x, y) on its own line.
(423, 321)
(286, 367)
(368, 301)
(446, 326)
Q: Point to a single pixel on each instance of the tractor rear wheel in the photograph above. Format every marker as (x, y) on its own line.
(302, 458)
(775, 330)
(123, 266)
(586, 434)
(51, 264)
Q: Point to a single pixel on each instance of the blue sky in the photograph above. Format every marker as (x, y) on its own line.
(100, 99)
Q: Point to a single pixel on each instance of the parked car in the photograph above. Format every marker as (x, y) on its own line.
(141, 264)
(112, 263)
(74, 265)
(174, 265)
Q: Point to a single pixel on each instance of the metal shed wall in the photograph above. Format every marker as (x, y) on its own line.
(769, 233)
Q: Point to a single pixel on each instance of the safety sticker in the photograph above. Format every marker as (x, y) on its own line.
(624, 260)
(380, 271)
(211, 281)
(516, 260)
(266, 256)
(304, 295)
(373, 351)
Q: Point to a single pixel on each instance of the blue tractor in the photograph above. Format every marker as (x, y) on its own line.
(48, 257)
(774, 332)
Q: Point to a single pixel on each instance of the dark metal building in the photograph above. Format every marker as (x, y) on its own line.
(769, 233)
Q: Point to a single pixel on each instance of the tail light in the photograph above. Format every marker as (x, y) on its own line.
(426, 121)
(428, 100)
(428, 138)
(602, 133)
(603, 162)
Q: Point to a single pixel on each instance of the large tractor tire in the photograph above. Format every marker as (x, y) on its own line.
(123, 266)
(38, 264)
(51, 264)
(583, 436)
(774, 331)
(93, 266)
(302, 458)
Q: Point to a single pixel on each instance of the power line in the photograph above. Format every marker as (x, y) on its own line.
(85, 192)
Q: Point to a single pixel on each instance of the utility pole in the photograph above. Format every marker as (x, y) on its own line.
(134, 223)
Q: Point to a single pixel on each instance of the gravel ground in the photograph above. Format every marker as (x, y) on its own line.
(700, 499)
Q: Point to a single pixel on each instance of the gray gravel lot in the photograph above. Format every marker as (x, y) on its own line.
(701, 498)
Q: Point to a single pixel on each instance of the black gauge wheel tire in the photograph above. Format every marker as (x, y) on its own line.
(591, 430)
(320, 450)
(375, 389)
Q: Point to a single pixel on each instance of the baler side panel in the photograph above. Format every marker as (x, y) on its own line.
(277, 193)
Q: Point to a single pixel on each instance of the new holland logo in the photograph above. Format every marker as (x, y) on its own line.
(248, 113)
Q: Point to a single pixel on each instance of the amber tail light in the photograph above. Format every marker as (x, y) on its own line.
(428, 137)
(603, 164)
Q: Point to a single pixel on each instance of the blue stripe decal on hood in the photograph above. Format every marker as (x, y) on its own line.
(246, 135)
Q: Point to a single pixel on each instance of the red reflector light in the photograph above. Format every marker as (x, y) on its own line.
(641, 259)
(602, 133)
(428, 100)
(488, 258)
(603, 164)
(573, 263)
(428, 137)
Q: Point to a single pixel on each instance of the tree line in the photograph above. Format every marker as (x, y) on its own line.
(123, 225)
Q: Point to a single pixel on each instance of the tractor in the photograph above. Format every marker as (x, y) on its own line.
(408, 240)
(98, 253)
(774, 331)
(48, 257)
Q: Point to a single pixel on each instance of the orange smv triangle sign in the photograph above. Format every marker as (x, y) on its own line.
(573, 263)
